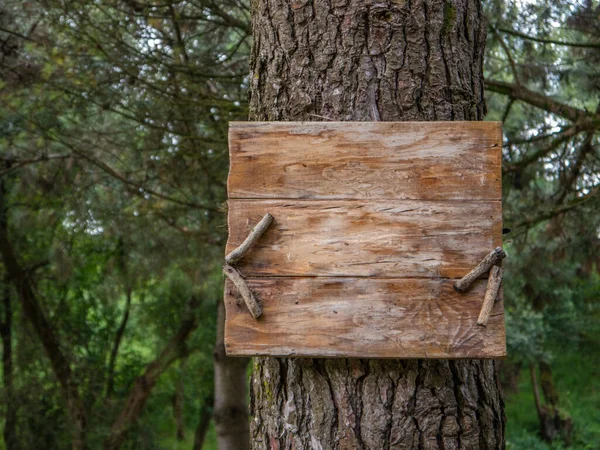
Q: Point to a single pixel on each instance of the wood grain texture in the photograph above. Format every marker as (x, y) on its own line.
(363, 317)
(369, 160)
(366, 239)
(374, 222)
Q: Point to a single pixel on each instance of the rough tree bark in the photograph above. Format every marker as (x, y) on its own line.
(359, 60)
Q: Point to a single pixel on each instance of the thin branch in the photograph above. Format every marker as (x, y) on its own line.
(110, 377)
(227, 18)
(16, 34)
(536, 391)
(586, 148)
(511, 61)
(509, 105)
(549, 41)
(140, 189)
(542, 152)
(24, 162)
(256, 233)
(544, 102)
(539, 137)
(561, 209)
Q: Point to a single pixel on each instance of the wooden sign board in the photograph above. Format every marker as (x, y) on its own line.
(374, 222)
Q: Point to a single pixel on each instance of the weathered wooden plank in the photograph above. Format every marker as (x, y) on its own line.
(374, 223)
(359, 238)
(363, 317)
(369, 160)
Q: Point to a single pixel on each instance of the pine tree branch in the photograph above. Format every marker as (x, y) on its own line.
(521, 93)
(549, 41)
(542, 152)
(24, 162)
(593, 193)
(511, 60)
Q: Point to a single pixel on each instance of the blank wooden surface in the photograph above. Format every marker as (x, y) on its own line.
(359, 238)
(373, 224)
(365, 160)
(363, 317)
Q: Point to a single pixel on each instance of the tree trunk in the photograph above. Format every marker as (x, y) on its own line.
(203, 425)
(178, 400)
(10, 424)
(554, 422)
(354, 60)
(230, 410)
(10, 402)
(143, 385)
(114, 352)
(34, 313)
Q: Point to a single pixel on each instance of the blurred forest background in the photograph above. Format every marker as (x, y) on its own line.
(113, 161)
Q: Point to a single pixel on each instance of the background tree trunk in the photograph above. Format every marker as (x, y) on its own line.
(123, 266)
(203, 424)
(178, 401)
(6, 335)
(10, 401)
(371, 60)
(143, 385)
(33, 311)
(230, 408)
(556, 422)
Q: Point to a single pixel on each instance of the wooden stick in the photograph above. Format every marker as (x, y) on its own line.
(492, 259)
(257, 232)
(240, 284)
(493, 286)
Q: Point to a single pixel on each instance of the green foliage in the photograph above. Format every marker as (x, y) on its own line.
(551, 182)
(113, 155)
(113, 159)
(575, 376)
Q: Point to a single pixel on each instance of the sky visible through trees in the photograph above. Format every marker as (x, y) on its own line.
(113, 161)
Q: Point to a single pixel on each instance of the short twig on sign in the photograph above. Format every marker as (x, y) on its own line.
(492, 259)
(258, 231)
(241, 286)
(493, 286)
